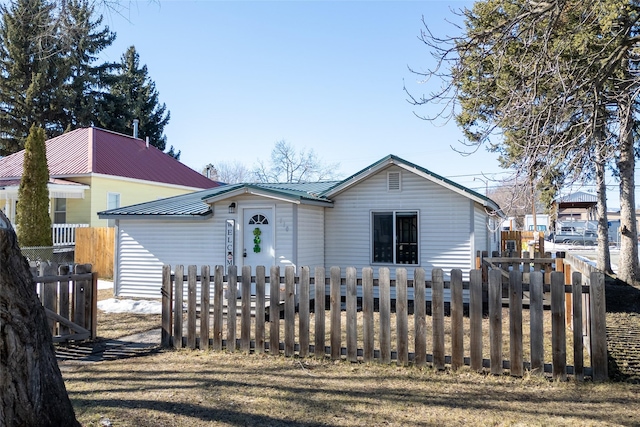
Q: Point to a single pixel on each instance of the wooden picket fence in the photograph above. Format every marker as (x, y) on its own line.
(69, 298)
(194, 316)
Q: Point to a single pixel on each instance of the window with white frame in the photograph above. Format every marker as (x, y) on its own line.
(113, 202)
(395, 237)
(60, 211)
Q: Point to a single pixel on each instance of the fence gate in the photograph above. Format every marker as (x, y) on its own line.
(69, 299)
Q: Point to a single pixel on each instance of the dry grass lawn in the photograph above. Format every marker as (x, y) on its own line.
(118, 325)
(198, 388)
(202, 388)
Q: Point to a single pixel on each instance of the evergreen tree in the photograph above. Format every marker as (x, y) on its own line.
(47, 54)
(32, 215)
(83, 90)
(133, 95)
(24, 88)
(552, 87)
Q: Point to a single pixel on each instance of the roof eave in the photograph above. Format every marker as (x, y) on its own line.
(156, 217)
(252, 190)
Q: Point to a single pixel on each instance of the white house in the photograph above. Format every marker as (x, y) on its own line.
(392, 213)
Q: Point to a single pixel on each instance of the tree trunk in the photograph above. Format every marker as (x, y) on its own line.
(603, 261)
(33, 392)
(628, 263)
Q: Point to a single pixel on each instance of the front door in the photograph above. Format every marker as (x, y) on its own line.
(258, 247)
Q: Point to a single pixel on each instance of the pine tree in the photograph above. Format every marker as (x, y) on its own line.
(32, 215)
(553, 88)
(24, 87)
(48, 52)
(83, 90)
(133, 95)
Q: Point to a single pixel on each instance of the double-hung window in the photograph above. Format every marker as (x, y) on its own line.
(60, 211)
(395, 237)
(113, 202)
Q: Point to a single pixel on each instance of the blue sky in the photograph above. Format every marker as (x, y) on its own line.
(328, 75)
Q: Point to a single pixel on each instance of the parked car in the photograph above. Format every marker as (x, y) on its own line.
(569, 235)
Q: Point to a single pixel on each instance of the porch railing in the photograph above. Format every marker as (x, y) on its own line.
(65, 234)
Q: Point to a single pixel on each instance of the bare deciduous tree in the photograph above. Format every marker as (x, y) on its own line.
(292, 166)
(234, 172)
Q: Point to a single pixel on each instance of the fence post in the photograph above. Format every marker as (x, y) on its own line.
(402, 328)
(63, 308)
(475, 318)
(515, 323)
(352, 309)
(83, 303)
(205, 306)
(303, 312)
(245, 321)
(232, 306)
(576, 321)
(484, 268)
(385, 314)
(93, 328)
(319, 311)
(558, 328)
(367, 314)
(419, 314)
(336, 328)
(167, 317)
(289, 311)
(260, 308)
(598, 327)
(178, 310)
(218, 297)
(274, 311)
(437, 314)
(457, 325)
(536, 311)
(495, 321)
(192, 273)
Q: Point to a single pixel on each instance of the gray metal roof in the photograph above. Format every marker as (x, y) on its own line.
(579, 197)
(184, 206)
(194, 205)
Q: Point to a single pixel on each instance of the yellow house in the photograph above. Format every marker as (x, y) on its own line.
(92, 170)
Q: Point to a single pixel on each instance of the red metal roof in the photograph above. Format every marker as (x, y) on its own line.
(93, 150)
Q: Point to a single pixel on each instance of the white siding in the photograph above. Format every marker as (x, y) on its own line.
(284, 230)
(145, 246)
(311, 236)
(444, 223)
(481, 231)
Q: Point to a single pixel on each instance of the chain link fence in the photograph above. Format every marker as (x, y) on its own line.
(57, 254)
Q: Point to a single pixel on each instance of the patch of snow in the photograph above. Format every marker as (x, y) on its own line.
(105, 284)
(113, 305)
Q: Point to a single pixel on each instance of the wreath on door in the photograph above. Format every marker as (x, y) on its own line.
(256, 240)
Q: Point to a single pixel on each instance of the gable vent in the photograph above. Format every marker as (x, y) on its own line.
(393, 181)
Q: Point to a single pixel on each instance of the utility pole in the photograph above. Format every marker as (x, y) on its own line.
(486, 185)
